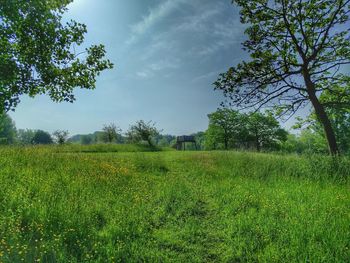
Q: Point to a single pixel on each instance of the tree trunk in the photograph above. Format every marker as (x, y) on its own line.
(257, 144)
(257, 141)
(321, 115)
(226, 140)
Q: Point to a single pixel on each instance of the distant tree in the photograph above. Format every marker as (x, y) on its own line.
(26, 136)
(200, 140)
(264, 131)
(7, 129)
(86, 139)
(166, 140)
(297, 50)
(37, 52)
(60, 136)
(42, 137)
(142, 131)
(225, 126)
(339, 113)
(292, 144)
(340, 119)
(111, 132)
(312, 141)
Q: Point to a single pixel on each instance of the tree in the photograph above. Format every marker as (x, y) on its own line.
(7, 129)
(86, 139)
(42, 137)
(166, 140)
(225, 126)
(142, 131)
(25, 137)
(264, 131)
(60, 136)
(110, 132)
(297, 50)
(38, 52)
(340, 119)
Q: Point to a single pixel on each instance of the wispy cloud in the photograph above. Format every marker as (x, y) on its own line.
(197, 22)
(203, 30)
(155, 15)
(160, 65)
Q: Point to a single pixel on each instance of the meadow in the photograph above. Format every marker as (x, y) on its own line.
(135, 204)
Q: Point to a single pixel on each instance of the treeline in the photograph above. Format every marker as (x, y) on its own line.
(227, 130)
(140, 132)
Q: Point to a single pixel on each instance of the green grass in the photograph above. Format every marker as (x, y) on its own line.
(57, 206)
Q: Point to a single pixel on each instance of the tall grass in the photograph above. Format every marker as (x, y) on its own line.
(172, 207)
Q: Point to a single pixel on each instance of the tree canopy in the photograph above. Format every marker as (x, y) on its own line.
(42, 137)
(142, 131)
(60, 136)
(225, 126)
(39, 53)
(111, 132)
(233, 129)
(298, 49)
(264, 131)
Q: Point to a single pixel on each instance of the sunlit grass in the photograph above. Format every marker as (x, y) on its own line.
(56, 206)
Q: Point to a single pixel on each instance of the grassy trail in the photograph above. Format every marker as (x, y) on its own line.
(95, 206)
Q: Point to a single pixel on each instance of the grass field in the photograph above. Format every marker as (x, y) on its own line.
(131, 205)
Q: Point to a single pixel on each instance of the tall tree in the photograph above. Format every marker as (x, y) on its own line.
(298, 49)
(39, 52)
(264, 131)
(225, 126)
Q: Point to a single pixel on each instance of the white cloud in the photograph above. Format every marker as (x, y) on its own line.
(198, 22)
(199, 31)
(144, 74)
(154, 16)
(208, 76)
(165, 64)
(161, 65)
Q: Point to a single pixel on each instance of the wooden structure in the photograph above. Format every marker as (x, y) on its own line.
(182, 140)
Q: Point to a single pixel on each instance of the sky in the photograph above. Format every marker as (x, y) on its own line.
(167, 54)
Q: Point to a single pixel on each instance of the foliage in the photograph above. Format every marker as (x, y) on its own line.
(86, 139)
(340, 119)
(60, 136)
(264, 131)
(200, 138)
(7, 129)
(42, 137)
(307, 142)
(142, 131)
(231, 129)
(172, 206)
(25, 137)
(166, 140)
(93, 138)
(297, 50)
(111, 132)
(38, 52)
(225, 126)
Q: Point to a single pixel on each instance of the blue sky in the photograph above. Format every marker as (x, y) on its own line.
(167, 54)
